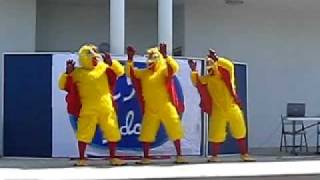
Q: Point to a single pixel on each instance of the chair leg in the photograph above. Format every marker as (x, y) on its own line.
(305, 141)
(281, 142)
(301, 142)
(285, 143)
(317, 138)
(317, 142)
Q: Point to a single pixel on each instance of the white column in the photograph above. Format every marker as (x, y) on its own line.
(117, 32)
(165, 25)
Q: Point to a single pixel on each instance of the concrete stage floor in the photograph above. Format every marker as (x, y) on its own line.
(270, 165)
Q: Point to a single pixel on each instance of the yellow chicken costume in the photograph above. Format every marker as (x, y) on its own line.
(224, 104)
(96, 100)
(158, 107)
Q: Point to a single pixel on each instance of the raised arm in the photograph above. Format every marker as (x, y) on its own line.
(131, 71)
(64, 78)
(62, 81)
(173, 66)
(117, 68)
(114, 65)
(195, 77)
(228, 65)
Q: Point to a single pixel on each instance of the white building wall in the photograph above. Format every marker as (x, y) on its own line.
(178, 25)
(65, 25)
(280, 41)
(141, 24)
(17, 33)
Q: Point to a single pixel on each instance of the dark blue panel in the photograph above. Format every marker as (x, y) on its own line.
(27, 105)
(230, 145)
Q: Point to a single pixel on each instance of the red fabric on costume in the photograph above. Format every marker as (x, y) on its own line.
(146, 148)
(172, 90)
(177, 145)
(82, 149)
(112, 149)
(243, 145)
(227, 80)
(138, 87)
(112, 80)
(72, 98)
(205, 98)
(215, 149)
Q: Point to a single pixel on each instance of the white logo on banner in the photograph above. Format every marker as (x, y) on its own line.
(129, 128)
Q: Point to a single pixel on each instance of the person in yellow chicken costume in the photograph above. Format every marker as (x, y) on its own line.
(96, 100)
(220, 100)
(157, 105)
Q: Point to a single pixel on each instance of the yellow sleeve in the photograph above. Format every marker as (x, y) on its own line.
(173, 64)
(117, 68)
(98, 70)
(76, 74)
(228, 65)
(195, 78)
(62, 81)
(137, 72)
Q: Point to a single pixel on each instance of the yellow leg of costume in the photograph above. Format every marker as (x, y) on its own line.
(149, 127)
(236, 122)
(109, 125)
(239, 131)
(86, 126)
(174, 129)
(217, 127)
(172, 122)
